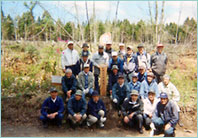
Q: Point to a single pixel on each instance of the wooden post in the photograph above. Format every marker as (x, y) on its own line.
(103, 80)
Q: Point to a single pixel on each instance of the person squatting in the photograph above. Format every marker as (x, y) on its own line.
(140, 90)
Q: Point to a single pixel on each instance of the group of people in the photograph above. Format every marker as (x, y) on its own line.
(140, 90)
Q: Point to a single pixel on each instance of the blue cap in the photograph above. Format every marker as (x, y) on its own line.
(85, 53)
(95, 93)
(85, 45)
(120, 75)
(163, 95)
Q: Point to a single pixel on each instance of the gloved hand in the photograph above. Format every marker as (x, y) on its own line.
(86, 91)
(115, 100)
(125, 99)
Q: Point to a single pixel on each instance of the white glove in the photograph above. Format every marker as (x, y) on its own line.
(103, 119)
(125, 99)
(115, 100)
(86, 91)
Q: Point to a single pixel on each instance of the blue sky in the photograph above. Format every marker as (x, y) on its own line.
(105, 10)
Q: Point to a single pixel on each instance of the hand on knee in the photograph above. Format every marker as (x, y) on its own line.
(126, 120)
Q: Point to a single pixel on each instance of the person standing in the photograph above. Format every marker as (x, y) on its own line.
(99, 59)
(158, 63)
(69, 58)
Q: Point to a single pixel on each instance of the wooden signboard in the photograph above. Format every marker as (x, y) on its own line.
(103, 80)
(56, 80)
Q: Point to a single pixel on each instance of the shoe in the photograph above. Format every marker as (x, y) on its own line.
(141, 131)
(101, 125)
(88, 124)
(103, 119)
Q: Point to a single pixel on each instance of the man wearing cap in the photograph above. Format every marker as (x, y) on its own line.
(85, 48)
(115, 60)
(69, 58)
(120, 92)
(132, 110)
(142, 57)
(99, 59)
(165, 117)
(121, 52)
(170, 89)
(129, 64)
(96, 110)
(142, 74)
(148, 84)
(134, 84)
(86, 81)
(108, 49)
(82, 61)
(150, 104)
(113, 78)
(158, 63)
(52, 109)
(69, 84)
(77, 109)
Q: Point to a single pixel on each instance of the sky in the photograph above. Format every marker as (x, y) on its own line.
(106, 10)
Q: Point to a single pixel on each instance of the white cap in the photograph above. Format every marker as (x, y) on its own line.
(68, 70)
(114, 54)
(121, 44)
(70, 42)
(130, 47)
(108, 43)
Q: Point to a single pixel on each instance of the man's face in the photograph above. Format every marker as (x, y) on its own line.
(115, 71)
(71, 46)
(151, 96)
(115, 58)
(149, 78)
(134, 79)
(166, 81)
(95, 98)
(120, 81)
(121, 48)
(129, 51)
(86, 70)
(160, 49)
(54, 94)
(100, 50)
(141, 71)
(78, 97)
(134, 98)
(68, 74)
(108, 46)
(141, 49)
(84, 58)
(85, 48)
(164, 100)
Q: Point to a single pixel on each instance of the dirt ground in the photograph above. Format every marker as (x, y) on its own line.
(21, 120)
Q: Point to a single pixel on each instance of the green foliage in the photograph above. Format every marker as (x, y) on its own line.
(32, 51)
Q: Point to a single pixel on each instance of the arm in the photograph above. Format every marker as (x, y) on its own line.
(73, 88)
(94, 61)
(141, 108)
(61, 106)
(176, 95)
(64, 87)
(83, 111)
(121, 65)
(63, 62)
(142, 89)
(123, 108)
(44, 108)
(156, 90)
(91, 111)
(110, 82)
(114, 91)
(69, 107)
(91, 83)
(79, 82)
(175, 115)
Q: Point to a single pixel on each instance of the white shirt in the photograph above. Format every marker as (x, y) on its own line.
(69, 57)
(149, 108)
(171, 90)
(54, 100)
